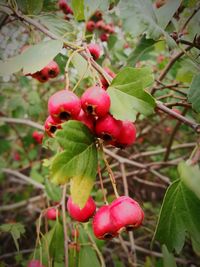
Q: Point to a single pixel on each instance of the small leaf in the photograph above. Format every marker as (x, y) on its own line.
(33, 59)
(128, 96)
(15, 229)
(190, 175)
(56, 246)
(78, 9)
(78, 160)
(53, 192)
(180, 213)
(142, 47)
(30, 7)
(194, 93)
(168, 258)
(88, 257)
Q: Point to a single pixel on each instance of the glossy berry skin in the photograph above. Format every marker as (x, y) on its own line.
(127, 134)
(104, 37)
(51, 126)
(102, 224)
(64, 105)
(126, 213)
(84, 214)
(94, 50)
(86, 119)
(38, 137)
(104, 81)
(65, 7)
(108, 129)
(52, 214)
(95, 101)
(35, 263)
(90, 26)
(52, 69)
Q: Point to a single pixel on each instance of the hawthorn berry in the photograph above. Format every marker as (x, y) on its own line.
(90, 26)
(86, 119)
(52, 214)
(104, 81)
(98, 15)
(108, 128)
(51, 126)
(52, 69)
(95, 101)
(126, 213)
(35, 263)
(109, 28)
(100, 25)
(41, 76)
(38, 137)
(104, 37)
(102, 224)
(64, 105)
(84, 214)
(94, 50)
(127, 134)
(65, 7)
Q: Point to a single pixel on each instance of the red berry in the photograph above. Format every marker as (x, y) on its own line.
(52, 69)
(42, 76)
(64, 105)
(127, 134)
(16, 156)
(65, 7)
(104, 81)
(51, 126)
(95, 101)
(38, 137)
(126, 213)
(52, 214)
(90, 26)
(95, 50)
(104, 37)
(84, 214)
(109, 28)
(86, 119)
(98, 15)
(100, 25)
(35, 263)
(102, 224)
(108, 128)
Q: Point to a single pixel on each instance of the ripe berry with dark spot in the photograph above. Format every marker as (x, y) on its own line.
(52, 69)
(64, 105)
(104, 37)
(81, 214)
(51, 126)
(90, 26)
(94, 50)
(95, 101)
(108, 129)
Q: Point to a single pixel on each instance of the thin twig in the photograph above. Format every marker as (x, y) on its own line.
(22, 121)
(102, 187)
(189, 19)
(65, 224)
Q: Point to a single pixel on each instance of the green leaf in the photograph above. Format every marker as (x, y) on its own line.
(143, 46)
(168, 258)
(78, 160)
(81, 65)
(180, 213)
(139, 17)
(56, 246)
(30, 7)
(128, 96)
(194, 93)
(78, 9)
(190, 175)
(15, 229)
(88, 257)
(59, 26)
(165, 13)
(53, 192)
(33, 58)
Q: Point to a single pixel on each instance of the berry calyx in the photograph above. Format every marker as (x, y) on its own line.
(108, 129)
(38, 137)
(94, 50)
(84, 214)
(86, 119)
(35, 263)
(52, 214)
(64, 105)
(52, 69)
(95, 101)
(90, 26)
(102, 224)
(51, 126)
(126, 213)
(127, 134)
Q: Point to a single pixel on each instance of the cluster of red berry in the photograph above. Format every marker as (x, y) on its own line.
(92, 109)
(64, 6)
(124, 213)
(50, 71)
(97, 23)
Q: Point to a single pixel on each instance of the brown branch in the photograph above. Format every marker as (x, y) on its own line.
(192, 44)
(189, 19)
(23, 121)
